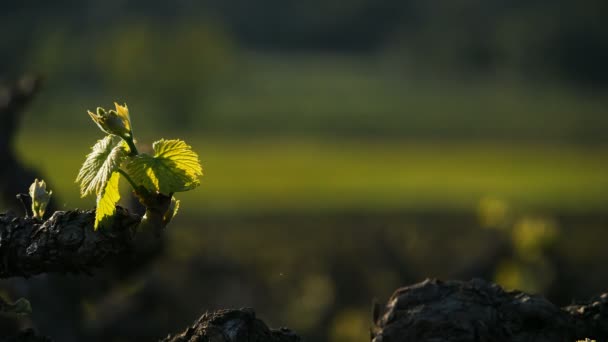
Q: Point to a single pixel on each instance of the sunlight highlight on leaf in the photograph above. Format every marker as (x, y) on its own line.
(107, 155)
(173, 209)
(123, 113)
(106, 202)
(173, 168)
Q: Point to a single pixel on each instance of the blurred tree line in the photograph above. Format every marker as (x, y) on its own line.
(165, 57)
(541, 38)
(565, 38)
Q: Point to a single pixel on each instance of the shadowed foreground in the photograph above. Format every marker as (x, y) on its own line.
(432, 310)
(219, 326)
(67, 243)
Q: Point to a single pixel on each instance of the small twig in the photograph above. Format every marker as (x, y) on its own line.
(26, 201)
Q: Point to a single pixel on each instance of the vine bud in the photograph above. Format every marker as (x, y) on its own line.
(115, 122)
(40, 198)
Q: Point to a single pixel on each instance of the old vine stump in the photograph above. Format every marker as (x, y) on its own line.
(476, 310)
(232, 326)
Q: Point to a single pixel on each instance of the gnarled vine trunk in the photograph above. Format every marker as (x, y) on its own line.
(477, 310)
(232, 326)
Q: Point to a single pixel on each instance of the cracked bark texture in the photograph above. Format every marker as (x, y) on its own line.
(477, 310)
(232, 326)
(65, 243)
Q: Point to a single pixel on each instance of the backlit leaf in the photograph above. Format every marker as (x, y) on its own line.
(105, 157)
(173, 168)
(106, 202)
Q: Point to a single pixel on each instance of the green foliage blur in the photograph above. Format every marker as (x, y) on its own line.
(350, 148)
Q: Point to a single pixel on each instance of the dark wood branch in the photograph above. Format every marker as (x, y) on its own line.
(15, 176)
(13, 99)
(480, 311)
(232, 326)
(65, 243)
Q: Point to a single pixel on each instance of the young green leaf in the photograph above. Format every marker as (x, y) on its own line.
(106, 202)
(105, 157)
(173, 168)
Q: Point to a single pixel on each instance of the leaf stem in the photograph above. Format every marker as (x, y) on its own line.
(122, 172)
(132, 147)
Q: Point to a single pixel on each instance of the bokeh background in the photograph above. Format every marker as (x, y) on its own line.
(349, 148)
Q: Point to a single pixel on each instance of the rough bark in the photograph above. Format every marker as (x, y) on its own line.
(480, 311)
(232, 326)
(65, 243)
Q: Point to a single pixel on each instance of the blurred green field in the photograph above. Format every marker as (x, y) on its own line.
(248, 176)
(338, 97)
(327, 133)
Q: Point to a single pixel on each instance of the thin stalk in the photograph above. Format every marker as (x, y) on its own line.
(122, 172)
(132, 147)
